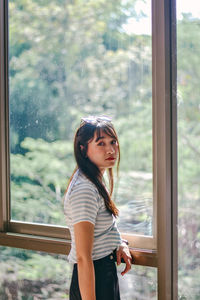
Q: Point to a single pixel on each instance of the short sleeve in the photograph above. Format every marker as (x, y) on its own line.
(84, 203)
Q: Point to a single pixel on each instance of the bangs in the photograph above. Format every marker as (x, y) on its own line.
(107, 130)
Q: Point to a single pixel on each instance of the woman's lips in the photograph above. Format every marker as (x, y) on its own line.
(110, 158)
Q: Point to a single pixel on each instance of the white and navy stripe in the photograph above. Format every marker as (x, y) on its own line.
(84, 203)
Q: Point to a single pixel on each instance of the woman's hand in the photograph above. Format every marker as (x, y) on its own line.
(124, 253)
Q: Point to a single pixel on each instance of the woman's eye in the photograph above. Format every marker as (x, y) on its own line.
(101, 144)
(114, 142)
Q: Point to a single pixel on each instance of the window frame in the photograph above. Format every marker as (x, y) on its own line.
(160, 250)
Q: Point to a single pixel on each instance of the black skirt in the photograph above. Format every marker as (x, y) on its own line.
(106, 280)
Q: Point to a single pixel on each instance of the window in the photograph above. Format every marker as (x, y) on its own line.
(27, 273)
(188, 76)
(51, 76)
(49, 91)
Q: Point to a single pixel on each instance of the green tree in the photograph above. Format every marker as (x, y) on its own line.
(70, 59)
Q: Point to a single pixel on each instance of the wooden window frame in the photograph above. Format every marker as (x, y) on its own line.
(160, 250)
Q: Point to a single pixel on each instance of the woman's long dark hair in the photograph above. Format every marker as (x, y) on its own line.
(84, 134)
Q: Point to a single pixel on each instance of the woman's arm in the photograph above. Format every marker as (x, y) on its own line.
(84, 232)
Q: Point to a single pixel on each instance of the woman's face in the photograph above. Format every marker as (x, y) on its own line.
(103, 151)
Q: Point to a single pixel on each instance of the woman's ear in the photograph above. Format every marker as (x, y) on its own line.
(82, 147)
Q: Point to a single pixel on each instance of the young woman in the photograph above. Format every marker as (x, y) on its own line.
(91, 213)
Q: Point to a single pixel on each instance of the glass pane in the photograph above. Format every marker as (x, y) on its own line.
(188, 19)
(67, 60)
(138, 284)
(34, 275)
(30, 275)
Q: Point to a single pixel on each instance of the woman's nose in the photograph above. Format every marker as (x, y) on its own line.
(110, 150)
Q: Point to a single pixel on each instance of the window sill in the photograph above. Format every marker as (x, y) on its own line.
(143, 257)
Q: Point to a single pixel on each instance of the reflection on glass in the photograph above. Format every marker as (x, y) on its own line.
(35, 275)
(68, 60)
(188, 19)
(138, 284)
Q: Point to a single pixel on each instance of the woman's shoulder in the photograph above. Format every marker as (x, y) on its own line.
(81, 194)
(81, 184)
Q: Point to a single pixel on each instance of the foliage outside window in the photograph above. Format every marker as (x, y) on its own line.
(188, 46)
(34, 275)
(66, 61)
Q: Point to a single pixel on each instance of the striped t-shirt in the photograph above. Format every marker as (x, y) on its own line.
(84, 203)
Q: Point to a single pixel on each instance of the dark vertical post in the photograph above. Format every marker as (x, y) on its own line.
(4, 128)
(174, 151)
